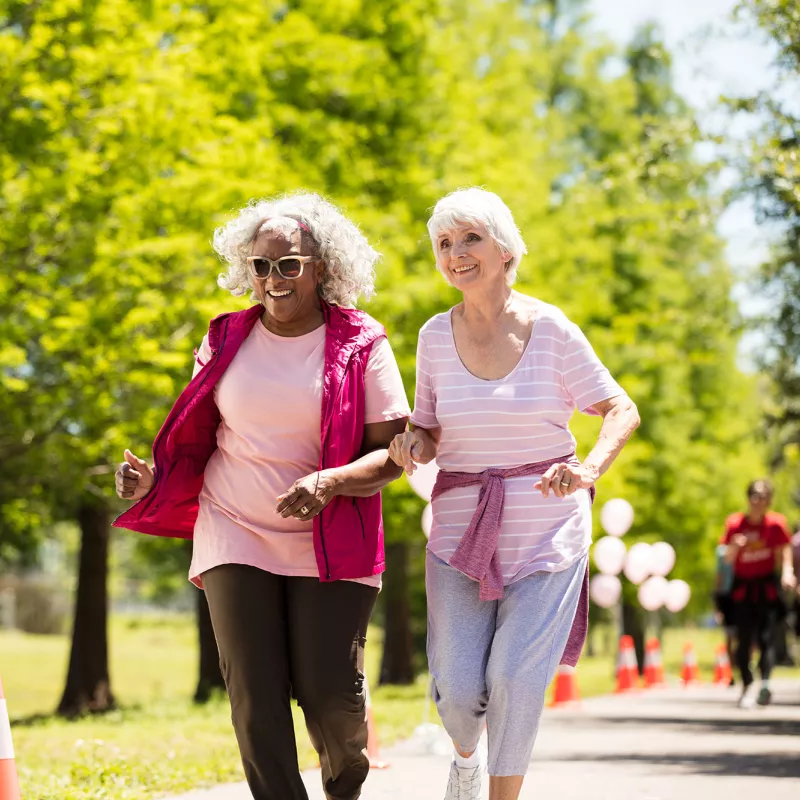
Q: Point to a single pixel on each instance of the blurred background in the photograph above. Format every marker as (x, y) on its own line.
(649, 151)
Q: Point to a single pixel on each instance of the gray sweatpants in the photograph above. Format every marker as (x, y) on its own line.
(493, 661)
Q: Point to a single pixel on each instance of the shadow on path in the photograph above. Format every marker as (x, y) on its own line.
(746, 726)
(762, 765)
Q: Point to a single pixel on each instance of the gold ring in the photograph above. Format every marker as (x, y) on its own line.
(566, 483)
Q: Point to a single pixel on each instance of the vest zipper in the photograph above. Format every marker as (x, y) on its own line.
(360, 518)
(322, 460)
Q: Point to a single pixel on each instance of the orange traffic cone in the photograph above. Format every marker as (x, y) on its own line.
(627, 668)
(722, 666)
(373, 748)
(653, 664)
(9, 784)
(689, 673)
(565, 687)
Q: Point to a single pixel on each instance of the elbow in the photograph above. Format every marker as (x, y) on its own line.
(633, 416)
(636, 420)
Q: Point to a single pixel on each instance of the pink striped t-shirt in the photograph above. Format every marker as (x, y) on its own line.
(520, 419)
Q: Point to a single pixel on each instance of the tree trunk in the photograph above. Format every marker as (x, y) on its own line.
(88, 687)
(397, 665)
(210, 676)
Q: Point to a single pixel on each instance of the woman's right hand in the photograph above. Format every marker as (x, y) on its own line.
(411, 448)
(134, 478)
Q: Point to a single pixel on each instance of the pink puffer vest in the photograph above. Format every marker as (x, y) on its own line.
(348, 534)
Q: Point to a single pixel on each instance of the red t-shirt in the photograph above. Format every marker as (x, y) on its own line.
(757, 559)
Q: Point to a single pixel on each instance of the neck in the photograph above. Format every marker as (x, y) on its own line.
(485, 306)
(755, 517)
(297, 326)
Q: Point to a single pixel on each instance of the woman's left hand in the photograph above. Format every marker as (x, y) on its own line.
(306, 497)
(565, 479)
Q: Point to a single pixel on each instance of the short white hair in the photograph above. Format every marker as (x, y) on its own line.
(349, 259)
(475, 206)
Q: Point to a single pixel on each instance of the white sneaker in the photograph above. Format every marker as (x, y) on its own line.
(464, 782)
(748, 698)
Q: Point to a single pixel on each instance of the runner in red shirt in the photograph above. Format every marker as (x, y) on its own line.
(758, 546)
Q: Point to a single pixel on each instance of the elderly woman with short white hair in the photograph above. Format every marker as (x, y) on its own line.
(273, 459)
(498, 378)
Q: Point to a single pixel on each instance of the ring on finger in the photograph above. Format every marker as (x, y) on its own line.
(566, 482)
(304, 510)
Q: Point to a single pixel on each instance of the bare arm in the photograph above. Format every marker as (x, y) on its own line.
(370, 473)
(788, 578)
(620, 420)
(365, 476)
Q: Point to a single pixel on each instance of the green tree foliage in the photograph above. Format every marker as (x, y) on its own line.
(596, 155)
(130, 129)
(773, 177)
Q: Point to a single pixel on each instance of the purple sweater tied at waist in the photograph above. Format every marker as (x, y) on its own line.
(476, 555)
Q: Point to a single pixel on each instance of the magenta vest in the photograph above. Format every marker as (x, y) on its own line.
(348, 534)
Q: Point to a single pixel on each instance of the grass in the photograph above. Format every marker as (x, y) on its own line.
(159, 742)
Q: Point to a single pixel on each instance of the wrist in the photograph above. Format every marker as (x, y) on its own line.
(331, 481)
(593, 472)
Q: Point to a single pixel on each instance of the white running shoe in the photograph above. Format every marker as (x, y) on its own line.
(464, 782)
(748, 698)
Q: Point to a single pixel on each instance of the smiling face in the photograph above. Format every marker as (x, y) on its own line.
(469, 257)
(291, 303)
(759, 500)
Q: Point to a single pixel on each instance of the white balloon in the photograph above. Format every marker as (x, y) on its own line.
(653, 593)
(423, 478)
(616, 517)
(605, 590)
(678, 594)
(609, 555)
(427, 520)
(637, 563)
(662, 558)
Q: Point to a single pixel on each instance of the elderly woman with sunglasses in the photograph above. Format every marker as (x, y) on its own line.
(498, 378)
(273, 459)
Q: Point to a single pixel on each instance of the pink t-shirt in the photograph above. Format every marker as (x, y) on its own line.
(270, 400)
(520, 419)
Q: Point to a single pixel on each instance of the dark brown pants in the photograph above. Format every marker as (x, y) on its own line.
(281, 637)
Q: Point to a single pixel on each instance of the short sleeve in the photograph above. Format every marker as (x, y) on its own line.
(424, 397)
(726, 536)
(385, 397)
(585, 378)
(780, 532)
(201, 356)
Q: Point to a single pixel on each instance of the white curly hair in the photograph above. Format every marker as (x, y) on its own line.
(476, 206)
(349, 259)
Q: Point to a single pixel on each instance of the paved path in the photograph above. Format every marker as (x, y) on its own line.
(673, 744)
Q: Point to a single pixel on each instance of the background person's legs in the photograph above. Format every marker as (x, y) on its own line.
(766, 634)
(745, 637)
(248, 612)
(327, 633)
